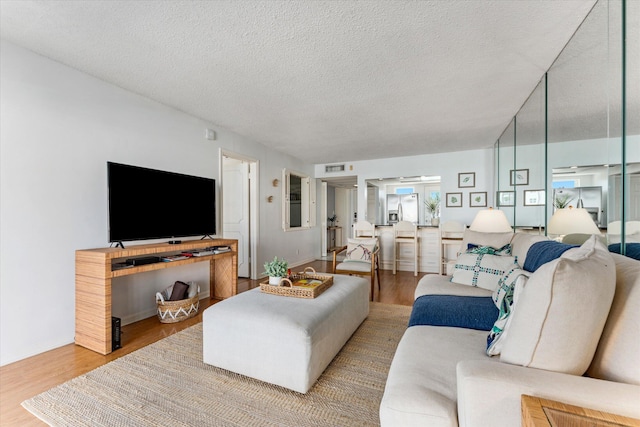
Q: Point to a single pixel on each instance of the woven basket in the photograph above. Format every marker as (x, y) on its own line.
(287, 286)
(177, 311)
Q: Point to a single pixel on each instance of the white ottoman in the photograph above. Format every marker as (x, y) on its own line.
(284, 340)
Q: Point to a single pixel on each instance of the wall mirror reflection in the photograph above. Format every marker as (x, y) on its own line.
(415, 199)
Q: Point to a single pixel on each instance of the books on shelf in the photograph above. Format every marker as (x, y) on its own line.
(219, 249)
(170, 258)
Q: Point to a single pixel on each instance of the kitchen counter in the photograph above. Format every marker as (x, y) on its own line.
(428, 249)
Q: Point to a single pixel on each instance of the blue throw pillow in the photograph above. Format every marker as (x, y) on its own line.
(454, 310)
(542, 252)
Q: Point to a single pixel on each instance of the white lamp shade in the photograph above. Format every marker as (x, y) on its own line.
(572, 220)
(490, 221)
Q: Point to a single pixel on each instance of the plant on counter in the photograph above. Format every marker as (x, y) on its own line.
(561, 201)
(276, 268)
(332, 219)
(432, 205)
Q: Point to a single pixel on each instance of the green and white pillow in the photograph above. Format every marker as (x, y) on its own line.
(505, 297)
(489, 250)
(481, 270)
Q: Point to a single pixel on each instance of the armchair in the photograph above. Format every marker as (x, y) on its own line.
(361, 259)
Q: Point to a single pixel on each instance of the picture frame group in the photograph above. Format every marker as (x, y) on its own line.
(530, 198)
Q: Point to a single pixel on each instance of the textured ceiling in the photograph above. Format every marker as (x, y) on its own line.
(325, 81)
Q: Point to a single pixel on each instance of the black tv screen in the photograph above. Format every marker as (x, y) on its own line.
(152, 204)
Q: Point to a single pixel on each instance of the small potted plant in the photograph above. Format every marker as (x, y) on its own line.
(561, 201)
(276, 270)
(332, 219)
(432, 205)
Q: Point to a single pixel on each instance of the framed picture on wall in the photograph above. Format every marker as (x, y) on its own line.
(454, 200)
(466, 179)
(478, 199)
(534, 198)
(506, 198)
(519, 177)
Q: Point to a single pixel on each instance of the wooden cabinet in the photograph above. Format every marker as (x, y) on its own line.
(95, 270)
(334, 238)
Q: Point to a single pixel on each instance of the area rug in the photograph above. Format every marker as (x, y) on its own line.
(167, 384)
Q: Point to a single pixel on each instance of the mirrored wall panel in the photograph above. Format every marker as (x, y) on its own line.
(576, 140)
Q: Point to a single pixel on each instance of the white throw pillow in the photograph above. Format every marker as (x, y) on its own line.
(482, 270)
(559, 316)
(360, 250)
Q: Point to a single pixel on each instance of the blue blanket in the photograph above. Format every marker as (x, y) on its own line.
(542, 252)
(632, 250)
(452, 310)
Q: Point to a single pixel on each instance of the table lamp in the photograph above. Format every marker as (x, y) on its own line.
(490, 221)
(571, 221)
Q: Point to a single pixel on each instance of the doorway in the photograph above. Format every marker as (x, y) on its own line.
(239, 208)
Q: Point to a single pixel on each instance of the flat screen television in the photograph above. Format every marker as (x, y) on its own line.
(153, 204)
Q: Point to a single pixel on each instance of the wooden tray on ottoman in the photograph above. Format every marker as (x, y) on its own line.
(297, 285)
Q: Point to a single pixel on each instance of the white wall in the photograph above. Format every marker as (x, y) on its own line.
(59, 127)
(447, 165)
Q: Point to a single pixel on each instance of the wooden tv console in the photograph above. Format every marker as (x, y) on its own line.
(94, 273)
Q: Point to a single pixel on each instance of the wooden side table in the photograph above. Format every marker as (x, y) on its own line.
(537, 412)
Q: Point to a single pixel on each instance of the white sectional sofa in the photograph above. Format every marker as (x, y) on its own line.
(566, 318)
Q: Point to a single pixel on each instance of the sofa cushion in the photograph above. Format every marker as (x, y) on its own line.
(482, 270)
(434, 284)
(560, 314)
(618, 352)
(451, 310)
(520, 244)
(421, 384)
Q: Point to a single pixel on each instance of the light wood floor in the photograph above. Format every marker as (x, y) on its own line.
(27, 378)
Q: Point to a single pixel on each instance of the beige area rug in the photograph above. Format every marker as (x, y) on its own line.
(167, 384)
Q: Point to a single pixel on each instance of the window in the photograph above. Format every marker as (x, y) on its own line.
(566, 184)
(404, 190)
(298, 201)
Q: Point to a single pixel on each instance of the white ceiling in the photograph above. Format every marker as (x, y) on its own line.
(325, 81)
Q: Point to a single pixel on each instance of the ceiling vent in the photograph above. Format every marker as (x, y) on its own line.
(334, 168)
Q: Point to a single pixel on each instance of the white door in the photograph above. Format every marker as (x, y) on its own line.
(235, 208)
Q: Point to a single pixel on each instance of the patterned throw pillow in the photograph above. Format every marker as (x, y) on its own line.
(476, 249)
(360, 250)
(481, 270)
(504, 298)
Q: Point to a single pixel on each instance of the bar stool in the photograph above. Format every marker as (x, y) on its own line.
(364, 228)
(451, 233)
(405, 232)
